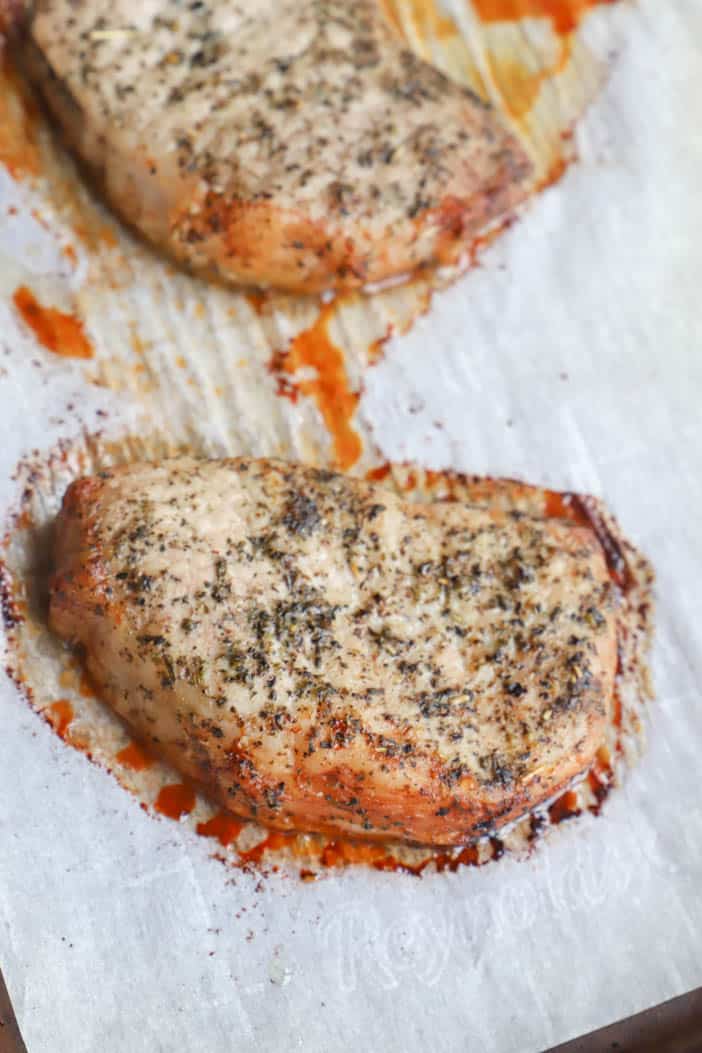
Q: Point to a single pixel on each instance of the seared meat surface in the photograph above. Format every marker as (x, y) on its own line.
(323, 656)
(290, 143)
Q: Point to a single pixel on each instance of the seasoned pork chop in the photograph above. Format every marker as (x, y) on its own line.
(323, 656)
(290, 143)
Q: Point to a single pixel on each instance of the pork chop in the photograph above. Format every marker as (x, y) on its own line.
(322, 656)
(288, 143)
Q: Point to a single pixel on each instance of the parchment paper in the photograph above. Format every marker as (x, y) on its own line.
(570, 359)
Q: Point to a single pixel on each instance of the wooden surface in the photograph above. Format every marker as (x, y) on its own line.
(10, 1038)
(673, 1027)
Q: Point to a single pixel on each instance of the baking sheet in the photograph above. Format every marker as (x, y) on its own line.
(568, 358)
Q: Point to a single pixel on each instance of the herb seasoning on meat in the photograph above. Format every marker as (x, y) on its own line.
(290, 143)
(324, 656)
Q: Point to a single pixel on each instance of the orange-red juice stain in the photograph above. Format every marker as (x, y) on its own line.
(434, 480)
(19, 152)
(427, 16)
(223, 826)
(375, 475)
(24, 519)
(76, 678)
(564, 15)
(600, 782)
(566, 807)
(312, 349)
(275, 840)
(134, 757)
(257, 300)
(376, 349)
(175, 800)
(520, 86)
(342, 853)
(108, 236)
(61, 716)
(86, 686)
(561, 506)
(483, 241)
(56, 331)
(390, 11)
(338, 852)
(555, 172)
(70, 254)
(616, 709)
(467, 857)
(284, 387)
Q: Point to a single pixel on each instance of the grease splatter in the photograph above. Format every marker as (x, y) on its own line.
(376, 475)
(376, 349)
(564, 15)
(313, 349)
(134, 757)
(520, 86)
(224, 826)
(430, 20)
(555, 173)
(19, 151)
(61, 716)
(175, 800)
(61, 333)
(257, 300)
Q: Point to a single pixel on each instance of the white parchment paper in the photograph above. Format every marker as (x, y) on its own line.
(572, 359)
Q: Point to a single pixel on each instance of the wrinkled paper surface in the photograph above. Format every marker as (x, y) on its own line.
(570, 358)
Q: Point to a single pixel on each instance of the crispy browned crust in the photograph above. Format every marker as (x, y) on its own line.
(256, 243)
(430, 807)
